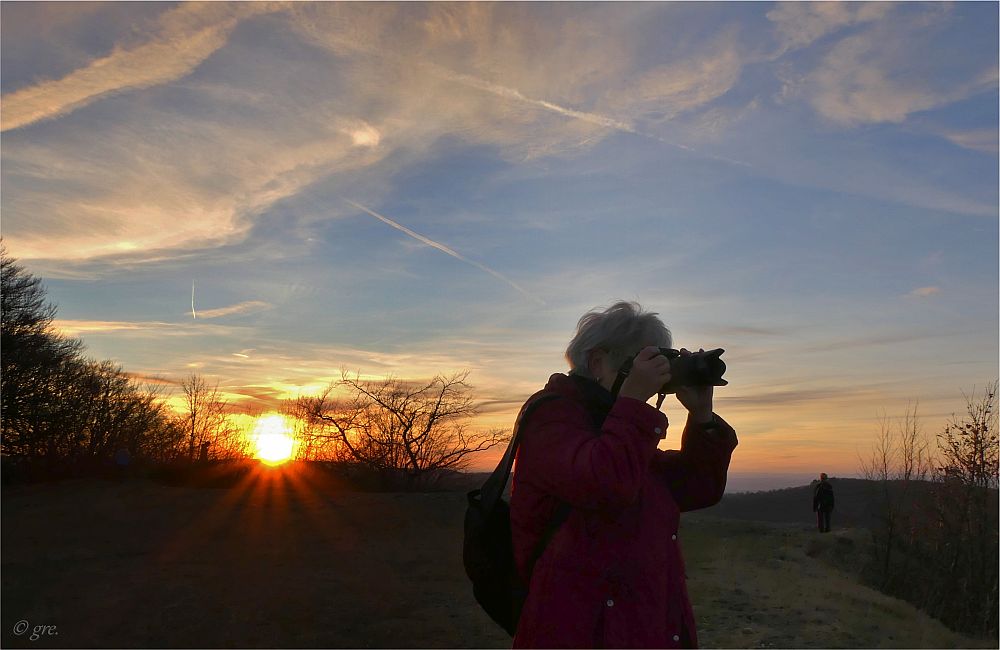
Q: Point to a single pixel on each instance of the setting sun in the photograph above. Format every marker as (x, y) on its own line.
(274, 445)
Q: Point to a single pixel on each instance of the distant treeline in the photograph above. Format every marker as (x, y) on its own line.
(60, 409)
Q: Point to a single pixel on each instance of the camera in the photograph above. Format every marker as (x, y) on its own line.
(696, 369)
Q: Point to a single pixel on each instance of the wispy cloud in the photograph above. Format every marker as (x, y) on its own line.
(75, 328)
(78, 327)
(985, 140)
(868, 340)
(798, 396)
(189, 34)
(878, 75)
(799, 24)
(239, 308)
(664, 88)
(125, 190)
(663, 92)
(446, 250)
(925, 292)
(152, 380)
(567, 64)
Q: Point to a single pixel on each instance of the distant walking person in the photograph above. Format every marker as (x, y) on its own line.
(823, 503)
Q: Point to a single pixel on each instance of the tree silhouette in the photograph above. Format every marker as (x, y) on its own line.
(969, 445)
(34, 358)
(399, 428)
(901, 455)
(56, 404)
(205, 418)
(966, 508)
(936, 541)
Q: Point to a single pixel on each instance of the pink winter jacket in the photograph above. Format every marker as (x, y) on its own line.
(612, 576)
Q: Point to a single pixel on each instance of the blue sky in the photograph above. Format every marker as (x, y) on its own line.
(423, 188)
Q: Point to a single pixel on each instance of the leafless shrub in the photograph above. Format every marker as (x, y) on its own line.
(901, 455)
(399, 429)
(207, 423)
(936, 543)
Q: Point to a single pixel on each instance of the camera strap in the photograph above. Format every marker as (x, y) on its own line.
(622, 375)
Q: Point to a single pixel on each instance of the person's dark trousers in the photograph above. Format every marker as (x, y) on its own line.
(823, 520)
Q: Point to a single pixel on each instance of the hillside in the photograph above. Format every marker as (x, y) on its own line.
(785, 506)
(279, 560)
(761, 585)
(794, 505)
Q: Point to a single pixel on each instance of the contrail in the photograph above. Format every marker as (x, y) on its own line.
(445, 249)
(593, 118)
(193, 313)
(513, 93)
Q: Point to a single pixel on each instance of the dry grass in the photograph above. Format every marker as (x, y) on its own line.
(757, 585)
(286, 560)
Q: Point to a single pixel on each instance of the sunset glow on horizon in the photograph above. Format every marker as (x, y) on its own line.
(270, 194)
(272, 440)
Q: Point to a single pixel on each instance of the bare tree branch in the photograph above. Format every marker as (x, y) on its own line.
(414, 430)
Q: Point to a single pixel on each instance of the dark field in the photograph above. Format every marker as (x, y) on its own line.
(287, 558)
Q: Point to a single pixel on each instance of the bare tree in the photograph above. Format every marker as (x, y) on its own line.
(900, 456)
(936, 542)
(229, 441)
(966, 553)
(312, 441)
(205, 416)
(396, 427)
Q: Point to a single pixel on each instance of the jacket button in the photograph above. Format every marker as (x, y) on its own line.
(673, 537)
(676, 638)
(610, 603)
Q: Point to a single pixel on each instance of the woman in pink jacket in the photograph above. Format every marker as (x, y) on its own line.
(612, 575)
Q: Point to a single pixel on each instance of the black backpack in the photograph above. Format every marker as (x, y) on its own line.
(823, 496)
(488, 551)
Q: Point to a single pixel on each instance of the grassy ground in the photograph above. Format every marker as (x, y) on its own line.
(758, 585)
(286, 560)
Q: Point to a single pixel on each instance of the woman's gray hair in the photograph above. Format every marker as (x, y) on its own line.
(621, 330)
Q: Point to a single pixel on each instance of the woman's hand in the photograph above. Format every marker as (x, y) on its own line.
(650, 371)
(696, 399)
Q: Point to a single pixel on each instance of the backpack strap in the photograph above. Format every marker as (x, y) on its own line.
(494, 486)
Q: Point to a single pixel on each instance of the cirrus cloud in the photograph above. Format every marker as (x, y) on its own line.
(189, 34)
(879, 74)
(798, 24)
(239, 308)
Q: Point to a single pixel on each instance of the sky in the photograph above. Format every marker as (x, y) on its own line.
(267, 194)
